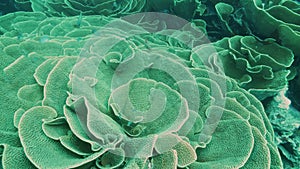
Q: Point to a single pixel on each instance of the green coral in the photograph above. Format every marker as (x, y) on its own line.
(112, 7)
(74, 7)
(294, 90)
(285, 121)
(263, 19)
(258, 66)
(279, 22)
(102, 92)
(111, 118)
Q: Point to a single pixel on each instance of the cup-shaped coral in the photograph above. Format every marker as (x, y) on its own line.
(76, 7)
(132, 98)
(282, 20)
(277, 19)
(260, 67)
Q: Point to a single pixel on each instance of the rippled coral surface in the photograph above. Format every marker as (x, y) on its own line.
(136, 84)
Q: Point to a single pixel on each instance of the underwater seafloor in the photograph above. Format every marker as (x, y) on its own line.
(164, 84)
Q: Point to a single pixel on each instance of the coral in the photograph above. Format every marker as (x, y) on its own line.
(135, 111)
(258, 66)
(93, 7)
(149, 84)
(285, 121)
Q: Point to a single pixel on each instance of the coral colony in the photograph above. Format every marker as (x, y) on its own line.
(138, 84)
